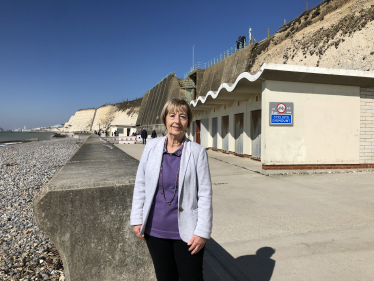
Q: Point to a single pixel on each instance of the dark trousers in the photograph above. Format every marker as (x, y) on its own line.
(144, 140)
(173, 261)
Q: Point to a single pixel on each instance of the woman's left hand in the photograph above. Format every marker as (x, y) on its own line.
(197, 243)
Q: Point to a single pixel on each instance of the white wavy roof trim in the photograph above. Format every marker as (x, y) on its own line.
(230, 86)
(283, 67)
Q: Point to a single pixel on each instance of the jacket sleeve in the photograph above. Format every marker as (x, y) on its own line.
(205, 209)
(138, 198)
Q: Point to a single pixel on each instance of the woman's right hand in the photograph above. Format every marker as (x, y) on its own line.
(137, 231)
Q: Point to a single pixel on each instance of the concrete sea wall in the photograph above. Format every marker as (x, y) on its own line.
(225, 71)
(85, 211)
(155, 99)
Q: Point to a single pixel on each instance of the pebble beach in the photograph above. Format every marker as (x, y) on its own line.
(25, 252)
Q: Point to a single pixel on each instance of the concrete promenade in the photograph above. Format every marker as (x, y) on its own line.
(295, 227)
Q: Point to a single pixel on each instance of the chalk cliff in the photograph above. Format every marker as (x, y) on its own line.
(89, 120)
(335, 34)
(80, 121)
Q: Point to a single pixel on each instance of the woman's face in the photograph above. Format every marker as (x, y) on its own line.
(176, 123)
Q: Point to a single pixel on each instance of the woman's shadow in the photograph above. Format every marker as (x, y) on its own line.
(257, 267)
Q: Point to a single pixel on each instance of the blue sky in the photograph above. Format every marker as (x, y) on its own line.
(58, 56)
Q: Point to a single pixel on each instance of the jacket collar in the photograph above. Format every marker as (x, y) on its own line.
(178, 152)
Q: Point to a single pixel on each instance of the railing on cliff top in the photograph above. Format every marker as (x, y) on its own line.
(220, 57)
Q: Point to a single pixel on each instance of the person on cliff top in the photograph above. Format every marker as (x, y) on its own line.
(240, 40)
(172, 209)
(144, 135)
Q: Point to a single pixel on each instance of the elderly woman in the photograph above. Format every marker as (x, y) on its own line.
(172, 203)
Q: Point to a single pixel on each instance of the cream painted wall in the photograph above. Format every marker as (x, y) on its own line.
(326, 124)
(236, 107)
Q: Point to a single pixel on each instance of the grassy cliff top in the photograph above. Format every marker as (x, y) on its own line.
(131, 106)
(123, 106)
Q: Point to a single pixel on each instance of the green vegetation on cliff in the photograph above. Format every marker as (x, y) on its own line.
(131, 106)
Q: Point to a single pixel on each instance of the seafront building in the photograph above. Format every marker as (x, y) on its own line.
(291, 118)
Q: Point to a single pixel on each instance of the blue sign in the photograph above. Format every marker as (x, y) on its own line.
(281, 119)
(281, 114)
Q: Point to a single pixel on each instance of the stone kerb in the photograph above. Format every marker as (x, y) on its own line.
(85, 211)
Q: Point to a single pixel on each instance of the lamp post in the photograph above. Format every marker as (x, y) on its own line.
(193, 57)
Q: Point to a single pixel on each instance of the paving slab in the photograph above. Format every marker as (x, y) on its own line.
(246, 163)
(288, 227)
(134, 150)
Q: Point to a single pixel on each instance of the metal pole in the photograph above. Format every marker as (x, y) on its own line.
(307, 6)
(193, 56)
(250, 35)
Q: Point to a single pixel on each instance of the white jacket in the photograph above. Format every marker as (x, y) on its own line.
(194, 189)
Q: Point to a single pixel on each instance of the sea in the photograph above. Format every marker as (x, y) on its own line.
(7, 138)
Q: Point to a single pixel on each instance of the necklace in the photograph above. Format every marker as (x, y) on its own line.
(162, 186)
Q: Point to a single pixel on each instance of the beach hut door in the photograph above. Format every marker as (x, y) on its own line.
(197, 132)
(215, 131)
(256, 134)
(225, 133)
(239, 120)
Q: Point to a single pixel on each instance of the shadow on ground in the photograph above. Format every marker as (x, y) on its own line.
(258, 267)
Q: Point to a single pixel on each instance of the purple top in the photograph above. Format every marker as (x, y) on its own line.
(163, 218)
